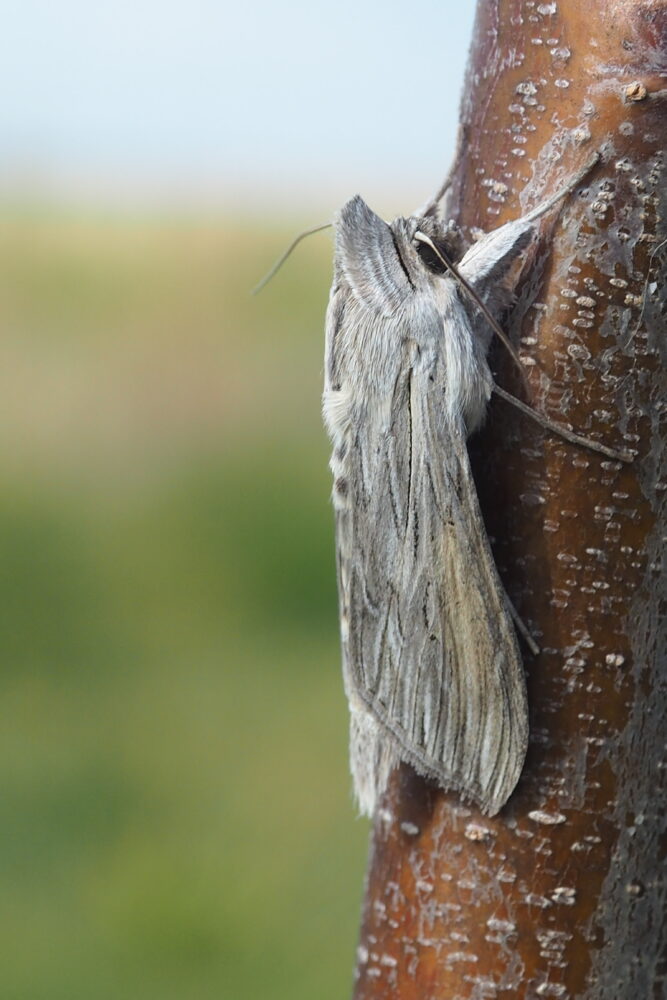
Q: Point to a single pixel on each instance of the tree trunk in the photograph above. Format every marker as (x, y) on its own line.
(563, 893)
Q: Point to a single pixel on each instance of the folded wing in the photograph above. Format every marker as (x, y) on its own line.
(430, 652)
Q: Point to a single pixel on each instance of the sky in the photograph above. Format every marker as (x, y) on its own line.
(252, 105)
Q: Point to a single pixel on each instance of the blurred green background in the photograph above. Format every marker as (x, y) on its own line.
(176, 818)
(175, 810)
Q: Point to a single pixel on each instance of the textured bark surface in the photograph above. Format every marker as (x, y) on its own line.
(563, 893)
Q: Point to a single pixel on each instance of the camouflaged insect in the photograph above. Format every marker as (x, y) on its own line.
(431, 663)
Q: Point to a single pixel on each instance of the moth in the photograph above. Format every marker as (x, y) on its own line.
(432, 667)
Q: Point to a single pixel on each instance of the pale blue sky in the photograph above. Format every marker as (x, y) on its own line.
(284, 104)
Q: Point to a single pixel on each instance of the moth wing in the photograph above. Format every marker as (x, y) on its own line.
(367, 255)
(430, 652)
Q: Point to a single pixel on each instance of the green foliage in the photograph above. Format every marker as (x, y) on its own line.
(175, 816)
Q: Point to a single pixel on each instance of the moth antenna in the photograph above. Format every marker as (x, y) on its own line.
(495, 325)
(281, 260)
(555, 428)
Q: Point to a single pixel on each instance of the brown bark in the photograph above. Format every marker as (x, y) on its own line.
(563, 893)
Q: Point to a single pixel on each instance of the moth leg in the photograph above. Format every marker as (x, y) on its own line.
(485, 269)
(555, 428)
(521, 627)
(563, 191)
(431, 206)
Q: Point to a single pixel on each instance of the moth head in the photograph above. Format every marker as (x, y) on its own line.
(427, 248)
(385, 263)
(436, 244)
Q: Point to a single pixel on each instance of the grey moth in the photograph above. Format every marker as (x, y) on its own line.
(432, 668)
